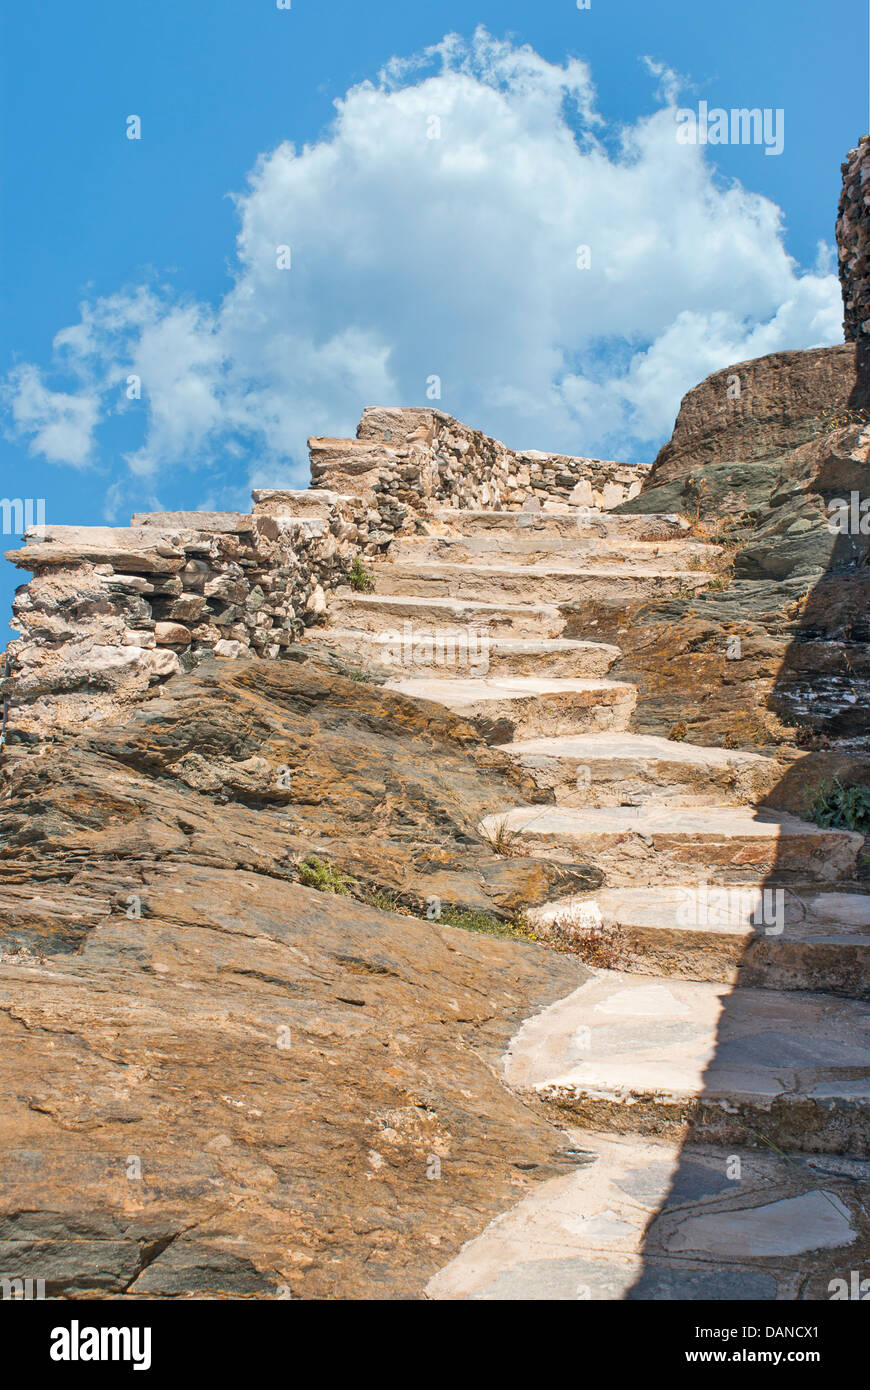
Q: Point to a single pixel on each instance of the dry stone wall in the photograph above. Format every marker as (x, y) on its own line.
(409, 461)
(111, 611)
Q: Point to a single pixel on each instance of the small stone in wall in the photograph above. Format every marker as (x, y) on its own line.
(316, 601)
(172, 635)
(582, 495)
(161, 664)
(228, 649)
(612, 495)
(225, 587)
(136, 637)
(187, 607)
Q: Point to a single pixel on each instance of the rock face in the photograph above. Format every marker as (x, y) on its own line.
(252, 767)
(225, 1084)
(853, 240)
(257, 1090)
(755, 413)
(781, 639)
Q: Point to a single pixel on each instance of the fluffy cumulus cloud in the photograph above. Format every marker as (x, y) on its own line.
(437, 230)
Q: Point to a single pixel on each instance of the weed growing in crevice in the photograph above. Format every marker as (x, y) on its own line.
(838, 807)
(325, 877)
(361, 580)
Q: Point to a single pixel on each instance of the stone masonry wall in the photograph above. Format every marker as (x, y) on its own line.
(418, 460)
(111, 611)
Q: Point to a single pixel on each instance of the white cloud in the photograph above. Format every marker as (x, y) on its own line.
(453, 256)
(59, 425)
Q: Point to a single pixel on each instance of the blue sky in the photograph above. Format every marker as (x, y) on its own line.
(412, 256)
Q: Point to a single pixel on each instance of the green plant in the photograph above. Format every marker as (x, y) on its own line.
(359, 578)
(384, 899)
(836, 807)
(501, 838)
(318, 873)
(678, 732)
(517, 929)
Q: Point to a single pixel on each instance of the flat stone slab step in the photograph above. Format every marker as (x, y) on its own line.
(381, 612)
(540, 583)
(224, 522)
(570, 521)
(634, 769)
(753, 935)
(471, 651)
(525, 547)
(524, 704)
(663, 844)
(678, 1058)
(647, 1219)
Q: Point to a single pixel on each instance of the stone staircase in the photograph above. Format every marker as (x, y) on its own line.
(735, 1036)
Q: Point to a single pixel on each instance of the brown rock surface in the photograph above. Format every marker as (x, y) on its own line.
(779, 643)
(780, 400)
(853, 241)
(286, 1068)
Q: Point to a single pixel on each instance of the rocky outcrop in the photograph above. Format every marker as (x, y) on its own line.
(749, 417)
(777, 649)
(259, 1091)
(853, 241)
(229, 1085)
(245, 765)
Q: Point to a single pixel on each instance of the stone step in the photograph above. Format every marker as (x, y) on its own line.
(662, 844)
(679, 1058)
(634, 769)
(572, 521)
(500, 708)
(556, 551)
(96, 539)
(153, 556)
(382, 613)
(750, 934)
(412, 648)
(538, 583)
(227, 523)
(647, 1219)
